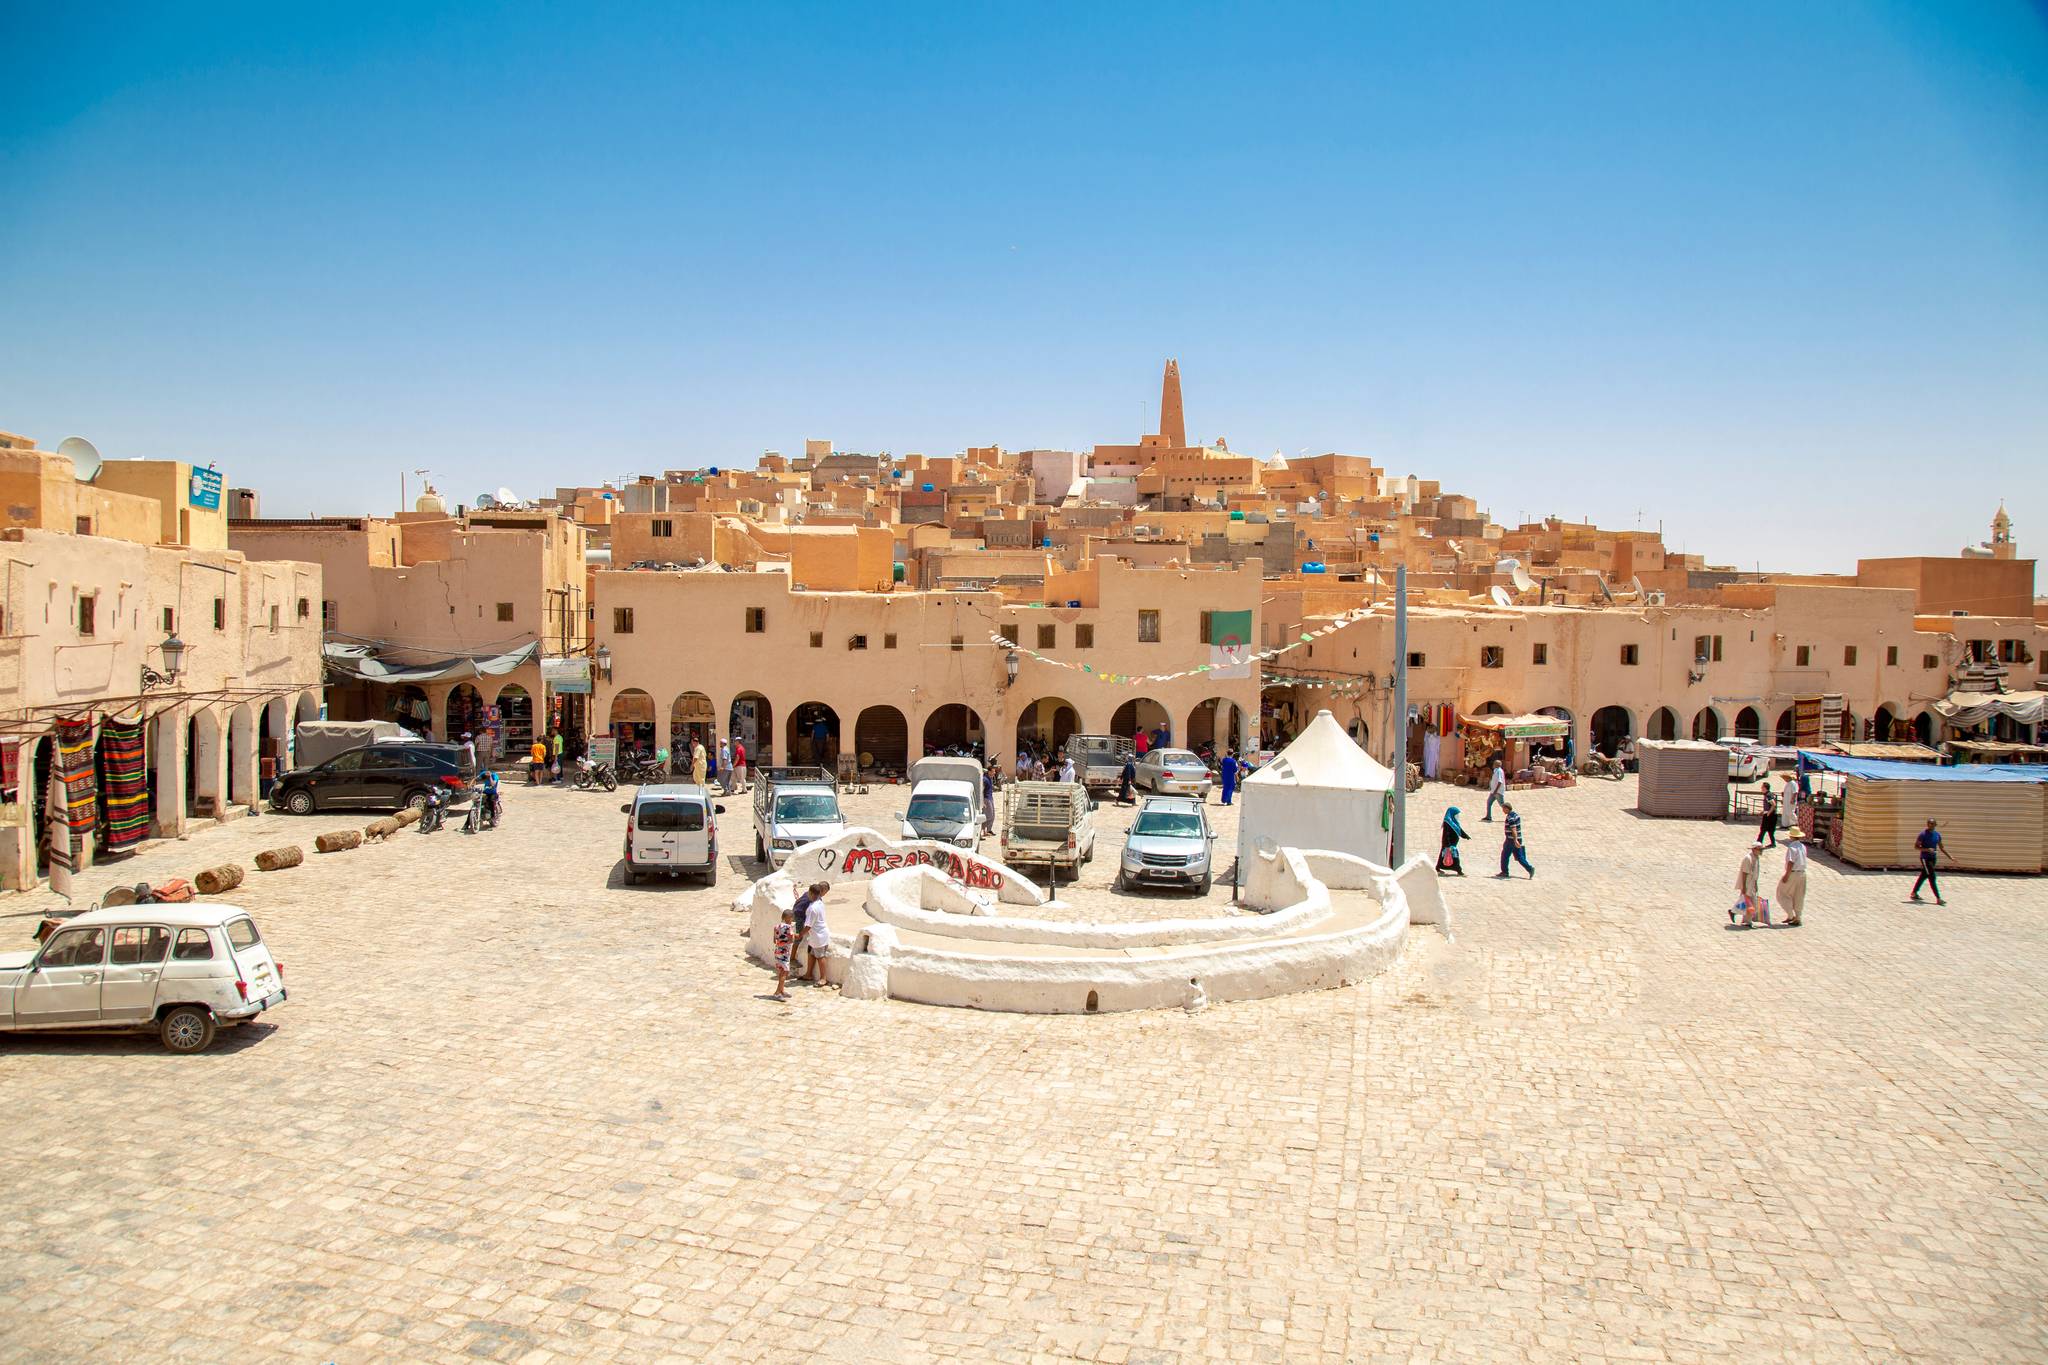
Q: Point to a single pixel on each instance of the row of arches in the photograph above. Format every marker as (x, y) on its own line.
(1612, 725)
(816, 732)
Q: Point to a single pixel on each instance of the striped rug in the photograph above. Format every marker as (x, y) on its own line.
(126, 782)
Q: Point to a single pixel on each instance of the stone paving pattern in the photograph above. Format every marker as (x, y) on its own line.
(517, 1111)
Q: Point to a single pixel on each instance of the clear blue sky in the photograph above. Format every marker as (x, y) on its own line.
(1775, 274)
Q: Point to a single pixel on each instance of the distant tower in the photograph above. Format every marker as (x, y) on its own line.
(2001, 535)
(1173, 423)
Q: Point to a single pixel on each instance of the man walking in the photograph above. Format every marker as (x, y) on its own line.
(1767, 828)
(555, 748)
(1228, 770)
(1496, 790)
(725, 763)
(988, 800)
(739, 763)
(697, 761)
(1511, 845)
(1931, 847)
(1792, 885)
(1748, 896)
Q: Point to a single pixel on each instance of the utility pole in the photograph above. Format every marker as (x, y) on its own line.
(1399, 851)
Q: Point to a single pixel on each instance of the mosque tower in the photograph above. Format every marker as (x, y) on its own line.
(2001, 536)
(1172, 422)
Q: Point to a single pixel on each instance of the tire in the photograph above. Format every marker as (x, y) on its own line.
(416, 799)
(300, 802)
(711, 873)
(632, 877)
(1121, 884)
(188, 1028)
(611, 784)
(1207, 881)
(760, 850)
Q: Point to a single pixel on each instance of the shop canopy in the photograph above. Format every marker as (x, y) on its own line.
(1879, 770)
(1520, 727)
(1967, 710)
(364, 663)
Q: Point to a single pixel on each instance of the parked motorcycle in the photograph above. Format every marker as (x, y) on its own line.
(431, 813)
(642, 768)
(591, 774)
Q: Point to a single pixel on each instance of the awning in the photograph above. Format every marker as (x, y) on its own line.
(1878, 770)
(1967, 709)
(1521, 727)
(1901, 751)
(363, 663)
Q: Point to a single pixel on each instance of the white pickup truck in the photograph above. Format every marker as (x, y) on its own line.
(793, 807)
(1049, 825)
(945, 801)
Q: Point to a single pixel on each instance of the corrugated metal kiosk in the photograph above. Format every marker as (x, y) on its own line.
(1993, 817)
(1686, 778)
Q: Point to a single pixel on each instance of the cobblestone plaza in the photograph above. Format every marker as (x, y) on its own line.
(518, 1111)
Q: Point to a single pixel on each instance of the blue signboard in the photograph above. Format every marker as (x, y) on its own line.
(206, 489)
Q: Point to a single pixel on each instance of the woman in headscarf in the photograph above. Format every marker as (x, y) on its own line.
(1447, 859)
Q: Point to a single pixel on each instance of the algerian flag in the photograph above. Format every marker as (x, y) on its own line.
(1230, 640)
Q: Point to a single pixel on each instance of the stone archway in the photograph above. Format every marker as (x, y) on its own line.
(1663, 724)
(1923, 728)
(308, 708)
(955, 726)
(1706, 724)
(241, 757)
(1749, 724)
(1883, 723)
(631, 721)
(1786, 731)
(1613, 727)
(691, 720)
(1141, 713)
(464, 712)
(881, 738)
(813, 735)
(515, 722)
(751, 723)
(1043, 725)
(1490, 708)
(1217, 721)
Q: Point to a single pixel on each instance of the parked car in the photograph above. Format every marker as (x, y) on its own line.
(1170, 843)
(793, 807)
(672, 828)
(181, 971)
(1099, 759)
(381, 776)
(945, 801)
(1176, 771)
(1745, 762)
(1049, 824)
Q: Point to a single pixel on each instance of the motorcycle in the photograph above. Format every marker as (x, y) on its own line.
(430, 814)
(642, 768)
(589, 774)
(483, 812)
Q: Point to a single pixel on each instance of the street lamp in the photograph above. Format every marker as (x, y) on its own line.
(1010, 663)
(174, 663)
(604, 661)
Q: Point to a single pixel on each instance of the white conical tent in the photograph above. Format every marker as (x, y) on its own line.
(1322, 792)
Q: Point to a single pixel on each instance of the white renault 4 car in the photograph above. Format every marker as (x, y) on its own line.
(672, 828)
(180, 970)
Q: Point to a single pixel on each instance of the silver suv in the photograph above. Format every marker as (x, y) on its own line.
(1170, 843)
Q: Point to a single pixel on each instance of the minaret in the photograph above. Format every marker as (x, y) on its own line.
(2001, 535)
(1172, 423)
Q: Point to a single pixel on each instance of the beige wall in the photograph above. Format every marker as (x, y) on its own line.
(169, 483)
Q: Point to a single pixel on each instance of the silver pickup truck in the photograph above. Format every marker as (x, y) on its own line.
(1049, 825)
(792, 807)
(1099, 759)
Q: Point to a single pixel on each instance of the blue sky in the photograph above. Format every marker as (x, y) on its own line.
(1774, 275)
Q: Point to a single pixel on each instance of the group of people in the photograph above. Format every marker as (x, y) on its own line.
(802, 927)
(544, 759)
(1513, 848)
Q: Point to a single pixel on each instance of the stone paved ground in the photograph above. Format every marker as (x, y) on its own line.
(519, 1112)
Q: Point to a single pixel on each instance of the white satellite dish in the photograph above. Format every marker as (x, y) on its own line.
(1522, 580)
(85, 458)
(507, 498)
(483, 502)
(1500, 597)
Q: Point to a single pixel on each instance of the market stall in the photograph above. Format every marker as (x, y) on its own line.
(1994, 751)
(1682, 778)
(1993, 817)
(1322, 791)
(1531, 748)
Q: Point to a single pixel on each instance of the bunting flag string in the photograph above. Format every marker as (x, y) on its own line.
(1306, 637)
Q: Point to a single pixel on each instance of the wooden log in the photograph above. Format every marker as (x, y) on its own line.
(381, 828)
(408, 816)
(215, 880)
(273, 859)
(119, 895)
(334, 841)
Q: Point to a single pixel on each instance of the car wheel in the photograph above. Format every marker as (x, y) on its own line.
(1121, 883)
(1203, 889)
(711, 873)
(416, 799)
(631, 876)
(188, 1028)
(760, 850)
(300, 802)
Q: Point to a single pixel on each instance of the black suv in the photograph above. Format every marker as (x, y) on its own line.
(374, 777)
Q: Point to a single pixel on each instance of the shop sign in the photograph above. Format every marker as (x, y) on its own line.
(604, 749)
(205, 490)
(565, 675)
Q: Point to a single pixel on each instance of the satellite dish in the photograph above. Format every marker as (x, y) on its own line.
(505, 497)
(1500, 597)
(483, 502)
(1522, 580)
(84, 457)
(1635, 585)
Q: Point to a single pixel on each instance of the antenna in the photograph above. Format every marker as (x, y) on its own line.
(85, 458)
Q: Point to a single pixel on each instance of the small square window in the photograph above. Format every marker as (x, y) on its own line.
(85, 526)
(1148, 627)
(220, 613)
(856, 642)
(1539, 654)
(1804, 657)
(757, 620)
(1930, 661)
(170, 621)
(622, 620)
(662, 527)
(1084, 637)
(88, 608)
(1492, 656)
(1048, 637)
(888, 642)
(273, 618)
(504, 611)
(305, 608)
(1631, 655)
(1848, 654)
(817, 639)
(1417, 660)
(958, 644)
(1208, 628)
(1891, 656)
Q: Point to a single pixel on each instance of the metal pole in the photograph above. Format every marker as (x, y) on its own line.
(1399, 852)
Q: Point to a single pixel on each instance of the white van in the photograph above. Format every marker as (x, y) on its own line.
(945, 802)
(672, 829)
(180, 970)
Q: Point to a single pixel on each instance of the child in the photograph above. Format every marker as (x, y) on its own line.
(785, 939)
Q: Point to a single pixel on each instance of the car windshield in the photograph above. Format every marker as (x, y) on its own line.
(938, 810)
(1176, 824)
(1179, 758)
(688, 815)
(807, 808)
